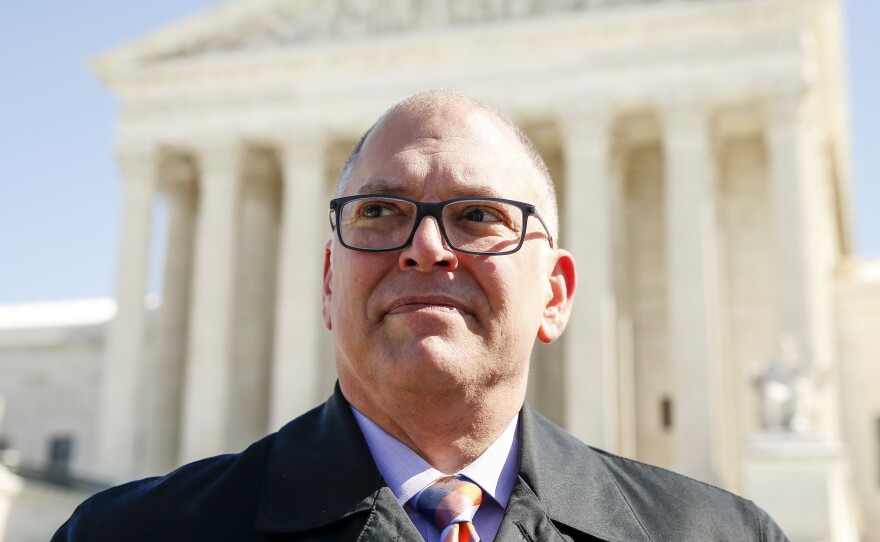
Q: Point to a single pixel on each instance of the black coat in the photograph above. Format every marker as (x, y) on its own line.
(315, 480)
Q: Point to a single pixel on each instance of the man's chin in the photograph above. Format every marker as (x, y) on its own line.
(426, 321)
(434, 354)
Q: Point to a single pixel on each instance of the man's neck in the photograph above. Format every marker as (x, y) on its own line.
(448, 432)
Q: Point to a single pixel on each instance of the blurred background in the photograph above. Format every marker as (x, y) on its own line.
(163, 182)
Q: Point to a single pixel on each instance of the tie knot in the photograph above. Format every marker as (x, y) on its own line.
(449, 500)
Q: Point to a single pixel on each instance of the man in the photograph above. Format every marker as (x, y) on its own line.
(442, 270)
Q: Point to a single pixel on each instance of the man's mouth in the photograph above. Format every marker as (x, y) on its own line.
(438, 303)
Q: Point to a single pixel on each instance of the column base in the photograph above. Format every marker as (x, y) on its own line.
(801, 480)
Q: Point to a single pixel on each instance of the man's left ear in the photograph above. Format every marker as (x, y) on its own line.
(563, 281)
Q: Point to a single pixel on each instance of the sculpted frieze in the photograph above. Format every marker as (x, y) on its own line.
(297, 21)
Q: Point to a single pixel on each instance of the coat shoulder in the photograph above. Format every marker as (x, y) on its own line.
(186, 504)
(666, 501)
(586, 486)
(218, 498)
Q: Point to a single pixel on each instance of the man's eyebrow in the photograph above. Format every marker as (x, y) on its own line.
(384, 187)
(381, 186)
(475, 192)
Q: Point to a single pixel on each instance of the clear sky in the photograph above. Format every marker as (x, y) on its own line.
(59, 187)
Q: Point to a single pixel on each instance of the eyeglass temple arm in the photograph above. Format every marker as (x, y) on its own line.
(534, 211)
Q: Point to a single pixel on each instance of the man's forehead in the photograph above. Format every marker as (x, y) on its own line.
(420, 126)
(462, 146)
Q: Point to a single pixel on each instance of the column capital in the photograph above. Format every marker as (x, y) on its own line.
(296, 145)
(220, 163)
(139, 165)
(298, 135)
(684, 115)
(302, 160)
(136, 151)
(681, 98)
(688, 126)
(789, 108)
(582, 120)
(222, 146)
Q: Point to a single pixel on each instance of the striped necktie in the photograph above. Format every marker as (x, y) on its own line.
(451, 503)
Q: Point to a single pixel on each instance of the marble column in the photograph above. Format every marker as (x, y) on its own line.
(591, 380)
(304, 230)
(692, 290)
(794, 172)
(179, 175)
(119, 422)
(254, 320)
(209, 360)
(802, 219)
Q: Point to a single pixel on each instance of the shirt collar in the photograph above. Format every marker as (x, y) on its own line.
(406, 473)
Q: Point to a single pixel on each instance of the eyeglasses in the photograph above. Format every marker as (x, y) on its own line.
(487, 226)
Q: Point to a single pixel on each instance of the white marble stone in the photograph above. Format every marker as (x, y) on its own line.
(803, 483)
(805, 260)
(31, 511)
(254, 309)
(858, 326)
(305, 229)
(122, 395)
(51, 360)
(208, 378)
(591, 383)
(168, 357)
(692, 271)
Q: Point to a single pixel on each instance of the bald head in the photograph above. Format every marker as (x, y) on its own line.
(433, 104)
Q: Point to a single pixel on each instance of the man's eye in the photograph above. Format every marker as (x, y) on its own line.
(483, 214)
(375, 211)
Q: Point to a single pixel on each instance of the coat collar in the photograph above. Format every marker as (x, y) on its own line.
(320, 471)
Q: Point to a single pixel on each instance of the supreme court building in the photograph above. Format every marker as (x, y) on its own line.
(722, 328)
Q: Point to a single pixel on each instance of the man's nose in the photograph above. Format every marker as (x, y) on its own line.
(428, 249)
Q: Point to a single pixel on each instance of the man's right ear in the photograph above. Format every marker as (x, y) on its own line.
(327, 293)
(562, 285)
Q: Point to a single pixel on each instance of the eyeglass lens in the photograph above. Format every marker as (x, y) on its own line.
(475, 225)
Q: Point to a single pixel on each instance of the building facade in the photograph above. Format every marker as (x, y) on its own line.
(721, 329)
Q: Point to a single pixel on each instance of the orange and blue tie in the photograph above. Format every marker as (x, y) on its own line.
(451, 503)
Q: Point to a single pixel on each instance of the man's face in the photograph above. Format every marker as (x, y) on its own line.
(427, 319)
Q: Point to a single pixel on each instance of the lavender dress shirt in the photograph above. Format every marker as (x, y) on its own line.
(406, 473)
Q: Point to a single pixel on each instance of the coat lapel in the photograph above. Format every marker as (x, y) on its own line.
(525, 518)
(569, 483)
(388, 521)
(321, 477)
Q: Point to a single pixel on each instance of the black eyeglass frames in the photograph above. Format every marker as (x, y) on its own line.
(485, 226)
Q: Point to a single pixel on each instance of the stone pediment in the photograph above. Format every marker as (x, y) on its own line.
(264, 24)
